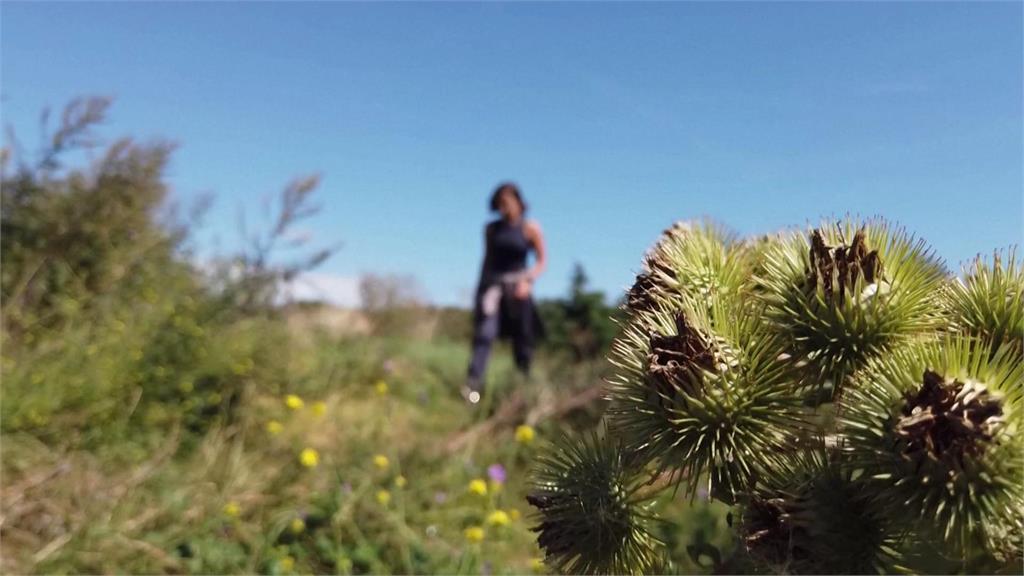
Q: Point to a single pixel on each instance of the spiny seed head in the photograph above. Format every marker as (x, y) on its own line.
(729, 343)
(590, 518)
(655, 285)
(677, 230)
(704, 396)
(700, 261)
(676, 360)
(643, 296)
(937, 426)
(767, 531)
(948, 420)
(988, 301)
(809, 516)
(828, 293)
(837, 269)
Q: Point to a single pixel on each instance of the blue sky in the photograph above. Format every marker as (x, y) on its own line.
(616, 119)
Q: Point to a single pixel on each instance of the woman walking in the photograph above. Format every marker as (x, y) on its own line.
(504, 306)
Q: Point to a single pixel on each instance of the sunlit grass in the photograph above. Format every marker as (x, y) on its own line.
(317, 472)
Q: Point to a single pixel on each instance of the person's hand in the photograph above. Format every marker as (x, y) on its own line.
(522, 291)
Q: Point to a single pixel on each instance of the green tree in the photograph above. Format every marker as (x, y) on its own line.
(582, 325)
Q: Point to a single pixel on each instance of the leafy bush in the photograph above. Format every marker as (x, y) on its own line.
(581, 325)
(109, 327)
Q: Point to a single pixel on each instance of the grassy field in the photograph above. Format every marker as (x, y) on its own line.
(162, 415)
(274, 454)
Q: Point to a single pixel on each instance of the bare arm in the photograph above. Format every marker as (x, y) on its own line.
(536, 238)
(487, 252)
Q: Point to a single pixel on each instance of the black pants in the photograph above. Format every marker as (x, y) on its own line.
(513, 318)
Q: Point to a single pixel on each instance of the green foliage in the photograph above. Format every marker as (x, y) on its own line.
(73, 236)
(109, 329)
(858, 408)
(582, 325)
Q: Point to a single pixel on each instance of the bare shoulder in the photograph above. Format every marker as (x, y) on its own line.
(532, 228)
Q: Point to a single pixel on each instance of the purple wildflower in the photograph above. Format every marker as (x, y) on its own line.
(496, 472)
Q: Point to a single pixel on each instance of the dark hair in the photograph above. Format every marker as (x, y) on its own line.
(511, 187)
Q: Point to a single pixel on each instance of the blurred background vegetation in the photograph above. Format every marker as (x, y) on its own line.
(163, 414)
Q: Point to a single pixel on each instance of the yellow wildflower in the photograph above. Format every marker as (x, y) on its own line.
(383, 497)
(478, 486)
(309, 458)
(400, 481)
(381, 461)
(513, 514)
(232, 510)
(292, 401)
(297, 526)
(537, 565)
(274, 427)
(474, 534)
(498, 518)
(286, 564)
(382, 387)
(524, 434)
(319, 408)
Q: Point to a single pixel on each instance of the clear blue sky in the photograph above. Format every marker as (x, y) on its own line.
(616, 119)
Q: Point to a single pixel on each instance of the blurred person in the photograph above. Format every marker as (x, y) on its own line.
(504, 307)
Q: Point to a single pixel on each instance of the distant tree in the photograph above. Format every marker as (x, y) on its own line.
(253, 279)
(582, 324)
(392, 303)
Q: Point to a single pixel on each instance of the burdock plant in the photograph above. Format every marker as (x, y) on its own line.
(594, 513)
(857, 407)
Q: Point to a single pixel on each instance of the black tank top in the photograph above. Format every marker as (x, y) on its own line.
(507, 249)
